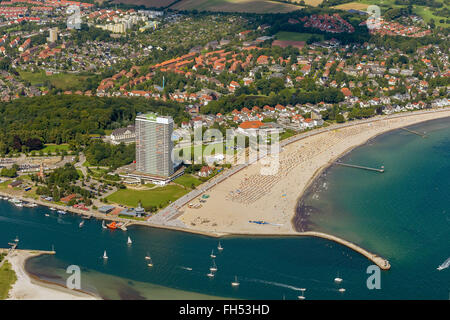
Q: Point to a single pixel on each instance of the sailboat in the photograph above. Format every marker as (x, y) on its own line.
(212, 254)
(16, 239)
(103, 225)
(235, 283)
(150, 263)
(214, 267)
(129, 242)
(302, 297)
(81, 224)
(104, 255)
(337, 279)
(219, 247)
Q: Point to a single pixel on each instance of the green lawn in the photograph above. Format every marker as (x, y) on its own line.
(296, 36)
(4, 184)
(54, 147)
(7, 279)
(63, 81)
(187, 180)
(155, 197)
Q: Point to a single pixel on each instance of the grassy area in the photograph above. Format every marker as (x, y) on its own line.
(155, 197)
(422, 11)
(312, 3)
(296, 36)
(188, 180)
(63, 81)
(253, 6)
(4, 184)
(7, 279)
(54, 147)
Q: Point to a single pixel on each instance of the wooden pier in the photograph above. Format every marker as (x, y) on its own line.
(359, 167)
(414, 132)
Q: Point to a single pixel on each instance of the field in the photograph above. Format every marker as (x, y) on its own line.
(352, 5)
(147, 3)
(312, 3)
(253, 6)
(187, 180)
(7, 279)
(54, 147)
(295, 36)
(156, 197)
(384, 5)
(61, 81)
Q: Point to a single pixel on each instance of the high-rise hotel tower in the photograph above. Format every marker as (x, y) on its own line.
(154, 145)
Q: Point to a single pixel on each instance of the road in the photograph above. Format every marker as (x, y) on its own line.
(164, 216)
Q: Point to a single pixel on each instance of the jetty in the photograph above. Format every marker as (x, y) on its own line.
(359, 167)
(379, 261)
(414, 132)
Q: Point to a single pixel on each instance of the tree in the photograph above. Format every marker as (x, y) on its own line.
(340, 118)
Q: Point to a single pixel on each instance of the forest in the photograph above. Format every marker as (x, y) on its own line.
(71, 119)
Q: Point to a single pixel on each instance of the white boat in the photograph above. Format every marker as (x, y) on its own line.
(214, 267)
(62, 212)
(104, 255)
(337, 279)
(235, 283)
(444, 265)
(16, 239)
(47, 215)
(53, 209)
(302, 297)
(212, 254)
(129, 242)
(342, 290)
(147, 257)
(219, 247)
(210, 275)
(103, 225)
(81, 224)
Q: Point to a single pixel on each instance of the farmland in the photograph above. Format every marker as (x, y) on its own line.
(254, 6)
(147, 3)
(312, 3)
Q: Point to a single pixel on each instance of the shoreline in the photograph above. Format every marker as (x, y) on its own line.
(31, 287)
(277, 231)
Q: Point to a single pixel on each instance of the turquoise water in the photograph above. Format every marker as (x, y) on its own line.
(402, 214)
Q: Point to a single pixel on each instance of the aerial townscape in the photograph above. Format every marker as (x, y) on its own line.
(211, 149)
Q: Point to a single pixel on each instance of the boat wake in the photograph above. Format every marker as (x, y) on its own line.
(186, 268)
(277, 284)
(444, 265)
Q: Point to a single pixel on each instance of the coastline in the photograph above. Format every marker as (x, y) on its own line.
(282, 225)
(30, 287)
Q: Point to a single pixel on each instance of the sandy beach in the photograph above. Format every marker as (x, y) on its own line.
(250, 195)
(29, 288)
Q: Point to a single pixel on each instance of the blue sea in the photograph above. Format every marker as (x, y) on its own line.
(402, 215)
